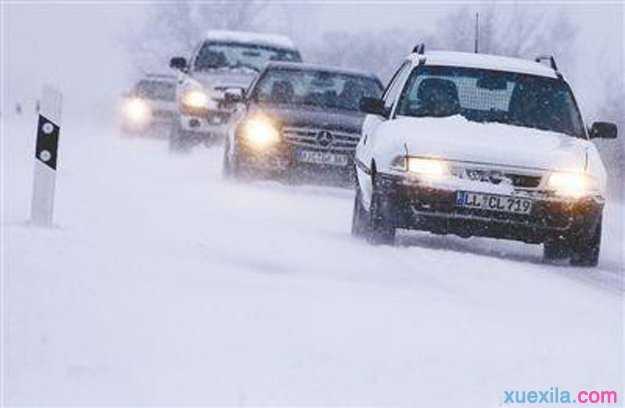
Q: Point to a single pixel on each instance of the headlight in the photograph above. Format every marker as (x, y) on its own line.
(427, 167)
(431, 169)
(571, 184)
(195, 99)
(260, 132)
(137, 111)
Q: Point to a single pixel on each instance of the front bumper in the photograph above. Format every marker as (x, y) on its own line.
(281, 161)
(414, 206)
(157, 118)
(209, 122)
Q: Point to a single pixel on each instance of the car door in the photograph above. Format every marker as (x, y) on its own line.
(366, 146)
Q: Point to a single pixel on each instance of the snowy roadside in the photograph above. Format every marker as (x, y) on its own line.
(163, 284)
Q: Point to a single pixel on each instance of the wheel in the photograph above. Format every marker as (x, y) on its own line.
(381, 232)
(556, 249)
(585, 249)
(126, 131)
(210, 141)
(178, 140)
(226, 170)
(360, 217)
(230, 167)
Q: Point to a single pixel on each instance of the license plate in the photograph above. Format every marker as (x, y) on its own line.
(333, 159)
(494, 202)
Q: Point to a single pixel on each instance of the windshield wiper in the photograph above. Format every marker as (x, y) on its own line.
(211, 68)
(239, 64)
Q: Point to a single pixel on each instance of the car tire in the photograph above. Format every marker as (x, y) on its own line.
(178, 139)
(585, 248)
(556, 249)
(381, 232)
(360, 217)
(226, 170)
(230, 169)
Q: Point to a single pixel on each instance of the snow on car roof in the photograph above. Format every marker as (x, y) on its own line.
(271, 40)
(485, 61)
(318, 67)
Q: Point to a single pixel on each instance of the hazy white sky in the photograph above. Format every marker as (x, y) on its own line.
(79, 45)
(599, 16)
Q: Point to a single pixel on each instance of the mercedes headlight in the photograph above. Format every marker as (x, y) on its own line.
(574, 185)
(195, 98)
(137, 111)
(260, 132)
(431, 169)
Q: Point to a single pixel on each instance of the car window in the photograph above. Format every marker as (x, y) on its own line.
(491, 96)
(326, 89)
(240, 56)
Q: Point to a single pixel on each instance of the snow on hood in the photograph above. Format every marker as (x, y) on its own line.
(311, 117)
(224, 79)
(456, 138)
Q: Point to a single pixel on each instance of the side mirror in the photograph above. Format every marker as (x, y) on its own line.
(178, 63)
(603, 130)
(373, 106)
(233, 96)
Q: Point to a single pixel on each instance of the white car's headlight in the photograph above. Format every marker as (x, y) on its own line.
(573, 185)
(260, 132)
(427, 167)
(137, 111)
(431, 169)
(195, 98)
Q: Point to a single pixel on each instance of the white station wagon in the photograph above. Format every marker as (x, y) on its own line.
(480, 145)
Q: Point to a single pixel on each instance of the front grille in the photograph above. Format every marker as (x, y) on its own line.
(493, 176)
(165, 114)
(519, 180)
(326, 139)
(499, 216)
(217, 117)
(540, 217)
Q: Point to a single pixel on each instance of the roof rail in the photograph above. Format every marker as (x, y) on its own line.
(419, 49)
(552, 61)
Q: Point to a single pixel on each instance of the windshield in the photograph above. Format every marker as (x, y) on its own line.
(326, 89)
(491, 96)
(156, 90)
(243, 56)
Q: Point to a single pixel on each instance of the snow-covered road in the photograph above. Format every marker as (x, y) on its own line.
(162, 284)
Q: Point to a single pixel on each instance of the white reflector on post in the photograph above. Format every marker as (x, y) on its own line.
(46, 153)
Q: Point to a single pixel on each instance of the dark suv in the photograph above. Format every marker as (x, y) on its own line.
(299, 121)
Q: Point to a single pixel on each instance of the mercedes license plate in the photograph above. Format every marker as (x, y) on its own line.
(333, 159)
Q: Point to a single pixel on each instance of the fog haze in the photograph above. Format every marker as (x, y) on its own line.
(81, 46)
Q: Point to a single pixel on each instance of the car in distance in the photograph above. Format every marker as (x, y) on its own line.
(150, 106)
(479, 145)
(299, 121)
(223, 60)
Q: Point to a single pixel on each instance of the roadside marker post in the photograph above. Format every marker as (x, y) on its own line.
(46, 157)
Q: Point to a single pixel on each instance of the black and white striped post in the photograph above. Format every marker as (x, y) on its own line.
(46, 154)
